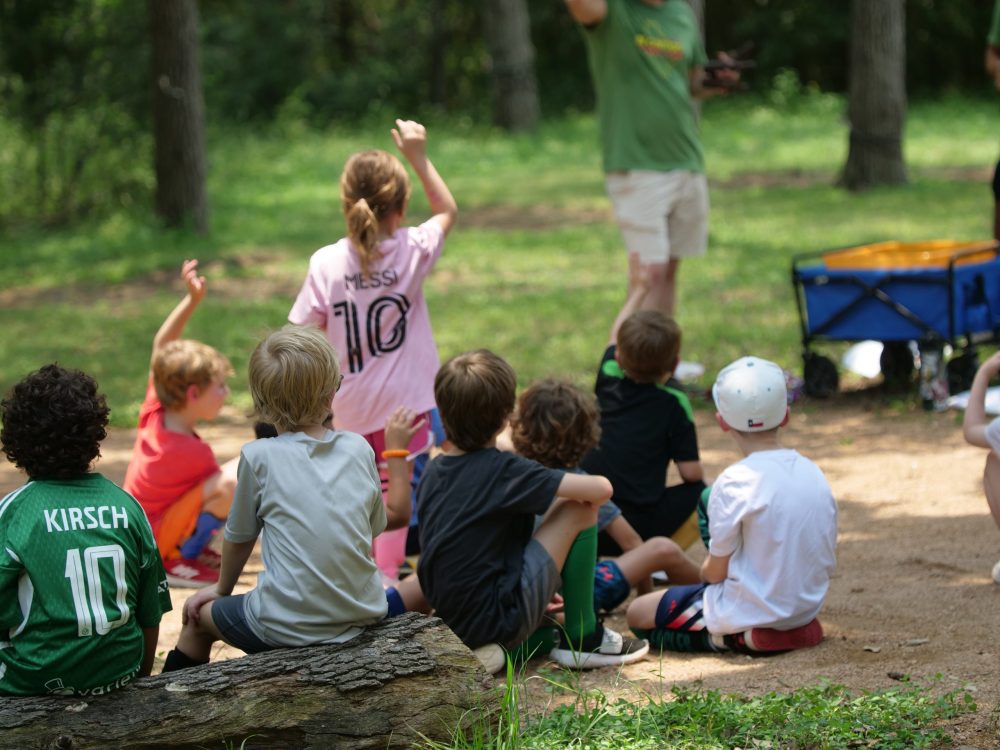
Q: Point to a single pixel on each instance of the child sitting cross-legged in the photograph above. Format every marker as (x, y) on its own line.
(82, 587)
(556, 423)
(173, 472)
(485, 569)
(315, 494)
(772, 522)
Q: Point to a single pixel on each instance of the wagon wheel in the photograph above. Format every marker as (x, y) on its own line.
(961, 370)
(897, 365)
(819, 375)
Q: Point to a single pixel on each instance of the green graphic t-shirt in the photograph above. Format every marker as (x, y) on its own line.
(80, 576)
(640, 58)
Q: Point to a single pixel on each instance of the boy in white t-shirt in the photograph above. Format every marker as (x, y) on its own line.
(981, 431)
(772, 522)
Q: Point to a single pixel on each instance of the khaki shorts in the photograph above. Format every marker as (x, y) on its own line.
(662, 215)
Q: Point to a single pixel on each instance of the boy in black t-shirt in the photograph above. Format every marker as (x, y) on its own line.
(645, 422)
(484, 568)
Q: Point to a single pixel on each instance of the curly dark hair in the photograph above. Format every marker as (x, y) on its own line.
(555, 423)
(53, 423)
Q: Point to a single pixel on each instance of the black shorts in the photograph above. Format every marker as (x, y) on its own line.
(661, 518)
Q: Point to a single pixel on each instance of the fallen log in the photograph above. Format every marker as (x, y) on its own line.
(403, 679)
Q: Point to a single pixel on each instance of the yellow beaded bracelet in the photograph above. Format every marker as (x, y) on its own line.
(395, 453)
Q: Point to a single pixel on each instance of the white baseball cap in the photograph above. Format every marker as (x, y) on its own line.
(750, 395)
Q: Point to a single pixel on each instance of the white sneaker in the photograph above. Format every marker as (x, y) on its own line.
(492, 657)
(603, 648)
(689, 370)
(996, 572)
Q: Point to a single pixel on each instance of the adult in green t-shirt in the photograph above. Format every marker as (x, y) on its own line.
(82, 587)
(993, 68)
(646, 59)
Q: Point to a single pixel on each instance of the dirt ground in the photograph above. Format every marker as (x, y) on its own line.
(912, 594)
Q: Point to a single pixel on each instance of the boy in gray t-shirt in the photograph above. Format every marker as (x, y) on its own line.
(315, 494)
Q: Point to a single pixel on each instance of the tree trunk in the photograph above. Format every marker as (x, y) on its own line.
(439, 49)
(178, 114)
(877, 95)
(400, 680)
(515, 88)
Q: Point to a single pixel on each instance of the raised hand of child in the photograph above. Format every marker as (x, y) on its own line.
(195, 283)
(411, 139)
(400, 428)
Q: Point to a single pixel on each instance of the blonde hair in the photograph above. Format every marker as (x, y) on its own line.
(182, 363)
(649, 344)
(373, 185)
(293, 375)
(555, 423)
(475, 395)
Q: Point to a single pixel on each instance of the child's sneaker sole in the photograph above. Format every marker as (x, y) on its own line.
(769, 639)
(613, 650)
(189, 574)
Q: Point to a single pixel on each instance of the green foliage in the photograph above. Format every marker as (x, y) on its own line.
(72, 99)
(944, 41)
(75, 79)
(343, 59)
(824, 716)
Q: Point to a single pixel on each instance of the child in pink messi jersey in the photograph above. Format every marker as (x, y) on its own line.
(366, 292)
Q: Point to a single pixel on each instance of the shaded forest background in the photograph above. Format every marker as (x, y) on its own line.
(76, 88)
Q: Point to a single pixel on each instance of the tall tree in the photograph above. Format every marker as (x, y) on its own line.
(508, 40)
(178, 113)
(876, 94)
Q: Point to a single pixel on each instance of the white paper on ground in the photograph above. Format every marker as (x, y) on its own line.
(689, 370)
(864, 359)
(961, 400)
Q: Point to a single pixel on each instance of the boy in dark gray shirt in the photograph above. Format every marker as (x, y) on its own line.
(488, 573)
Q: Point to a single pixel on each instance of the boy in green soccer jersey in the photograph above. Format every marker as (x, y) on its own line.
(82, 587)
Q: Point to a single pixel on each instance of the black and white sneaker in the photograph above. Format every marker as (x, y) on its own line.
(602, 648)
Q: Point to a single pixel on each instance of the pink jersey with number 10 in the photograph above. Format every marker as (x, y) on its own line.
(379, 324)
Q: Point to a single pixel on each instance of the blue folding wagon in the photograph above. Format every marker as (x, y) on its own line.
(933, 293)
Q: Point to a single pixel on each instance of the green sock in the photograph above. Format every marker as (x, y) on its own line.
(578, 586)
(703, 515)
(676, 640)
(539, 643)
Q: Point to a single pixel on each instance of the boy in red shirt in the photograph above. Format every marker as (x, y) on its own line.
(173, 473)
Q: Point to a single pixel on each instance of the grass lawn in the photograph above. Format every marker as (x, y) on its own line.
(535, 269)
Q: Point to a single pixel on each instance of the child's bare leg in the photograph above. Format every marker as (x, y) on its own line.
(220, 488)
(623, 534)
(641, 612)
(563, 521)
(197, 637)
(412, 595)
(627, 538)
(217, 498)
(658, 553)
